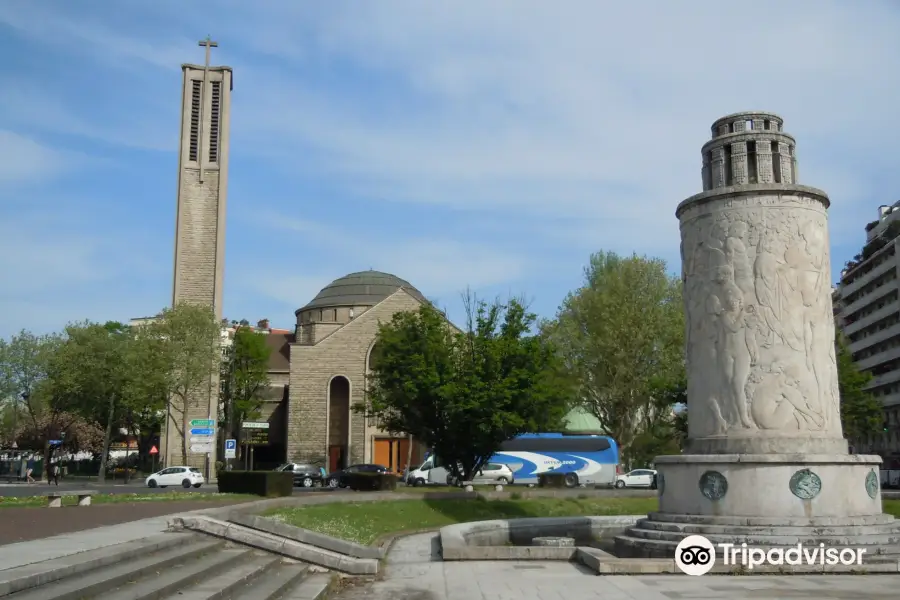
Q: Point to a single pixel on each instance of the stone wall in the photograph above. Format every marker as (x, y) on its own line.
(345, 353)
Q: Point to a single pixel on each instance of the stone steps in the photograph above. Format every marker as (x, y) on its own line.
(172, 565)
(635, 547)
(882, 519)
(775, 538)
(684, 529)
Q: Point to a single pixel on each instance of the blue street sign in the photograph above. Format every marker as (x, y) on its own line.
(56, 442)
(230, 444)
(202, 431)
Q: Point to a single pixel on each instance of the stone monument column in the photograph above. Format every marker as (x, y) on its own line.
(765, 441)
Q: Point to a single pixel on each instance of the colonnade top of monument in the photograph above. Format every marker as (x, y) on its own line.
(749, 148)
(752, 120)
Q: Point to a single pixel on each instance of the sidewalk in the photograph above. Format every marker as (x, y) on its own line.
(23, 553)
(26, 524)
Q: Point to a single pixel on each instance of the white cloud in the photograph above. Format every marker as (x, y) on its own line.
(436, 265)
(24, 159)
(55, 269)
(76, 32)
(594, 112)
(562, 129)
(26, 105)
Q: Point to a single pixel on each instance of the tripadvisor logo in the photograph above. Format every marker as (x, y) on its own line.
(696, 555)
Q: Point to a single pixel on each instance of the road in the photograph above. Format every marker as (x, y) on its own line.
(21, 490)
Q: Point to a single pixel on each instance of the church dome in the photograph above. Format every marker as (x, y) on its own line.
(366, 288)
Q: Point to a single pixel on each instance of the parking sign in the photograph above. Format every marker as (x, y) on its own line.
(230, 449)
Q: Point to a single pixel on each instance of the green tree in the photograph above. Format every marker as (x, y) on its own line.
(89, 371)
(147, 390)
(39, 414)
(107, 373)
(245, 378)
(621, 336)
(189, 337)
(861, 413)
(465, 393)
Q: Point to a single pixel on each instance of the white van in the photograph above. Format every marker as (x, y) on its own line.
(428, 474)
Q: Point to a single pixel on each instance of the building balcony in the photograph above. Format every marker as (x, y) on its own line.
(890, 399)
(867, 278)
(874, 338)
(869, 299)
(884, 379)
(880, 358)
(870, 319)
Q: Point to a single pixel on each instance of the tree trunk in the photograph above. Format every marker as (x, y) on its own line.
(409, 454)
(185, 429)
(104, 452)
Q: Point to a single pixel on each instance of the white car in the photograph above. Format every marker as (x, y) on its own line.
(636, 478)
(186, 477)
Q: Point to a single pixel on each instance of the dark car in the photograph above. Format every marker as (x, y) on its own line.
(304, 475)
(339, 478)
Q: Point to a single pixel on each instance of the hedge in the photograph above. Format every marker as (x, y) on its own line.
(552, 480)
(370, 482)
(261, 483)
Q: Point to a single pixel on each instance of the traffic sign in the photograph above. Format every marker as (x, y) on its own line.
(202, 431)
(205, 439)
(203, 423)
(154, 450)
(230, 449)
(201, 448)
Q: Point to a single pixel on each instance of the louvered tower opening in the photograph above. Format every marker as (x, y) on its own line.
(214, 112)
(195, 119)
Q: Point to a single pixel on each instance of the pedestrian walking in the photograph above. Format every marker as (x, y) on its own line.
(28, 471)
(53, 474)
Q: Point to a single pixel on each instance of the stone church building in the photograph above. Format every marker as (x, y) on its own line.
(318, 372)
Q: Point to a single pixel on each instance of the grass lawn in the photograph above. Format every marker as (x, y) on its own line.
(40, 501)
(364, 522)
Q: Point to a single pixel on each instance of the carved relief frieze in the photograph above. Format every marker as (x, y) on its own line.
(760, 330)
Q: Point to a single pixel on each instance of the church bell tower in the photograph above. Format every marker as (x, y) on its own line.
(200, 227)
(202, 183)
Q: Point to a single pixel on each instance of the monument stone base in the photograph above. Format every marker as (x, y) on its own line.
(766, 501)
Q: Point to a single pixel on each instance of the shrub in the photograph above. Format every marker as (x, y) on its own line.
(370, 482)
(261, 483)
(552, 480)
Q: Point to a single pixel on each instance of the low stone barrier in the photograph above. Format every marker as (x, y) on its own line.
(298, 534)
(510, 539)
(275, 543)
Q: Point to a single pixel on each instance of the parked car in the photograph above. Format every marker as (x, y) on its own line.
(489, 473)
(339, 478)
(636, 478)
(304, 475)
(183, 476)
(494, 473)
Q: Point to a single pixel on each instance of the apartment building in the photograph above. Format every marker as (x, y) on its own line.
(867, 309)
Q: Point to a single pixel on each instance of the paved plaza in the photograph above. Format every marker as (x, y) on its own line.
(414, 571)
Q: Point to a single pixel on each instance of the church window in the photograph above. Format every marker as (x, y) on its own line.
(215, 104)
(195, 119)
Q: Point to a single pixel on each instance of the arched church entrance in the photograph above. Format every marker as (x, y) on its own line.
(338, 423)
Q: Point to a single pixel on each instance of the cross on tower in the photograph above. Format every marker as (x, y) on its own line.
(209, 44)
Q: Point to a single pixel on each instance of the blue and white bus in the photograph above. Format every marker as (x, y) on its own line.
(585, 459)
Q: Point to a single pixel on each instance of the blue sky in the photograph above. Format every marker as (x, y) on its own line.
(493, 145)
